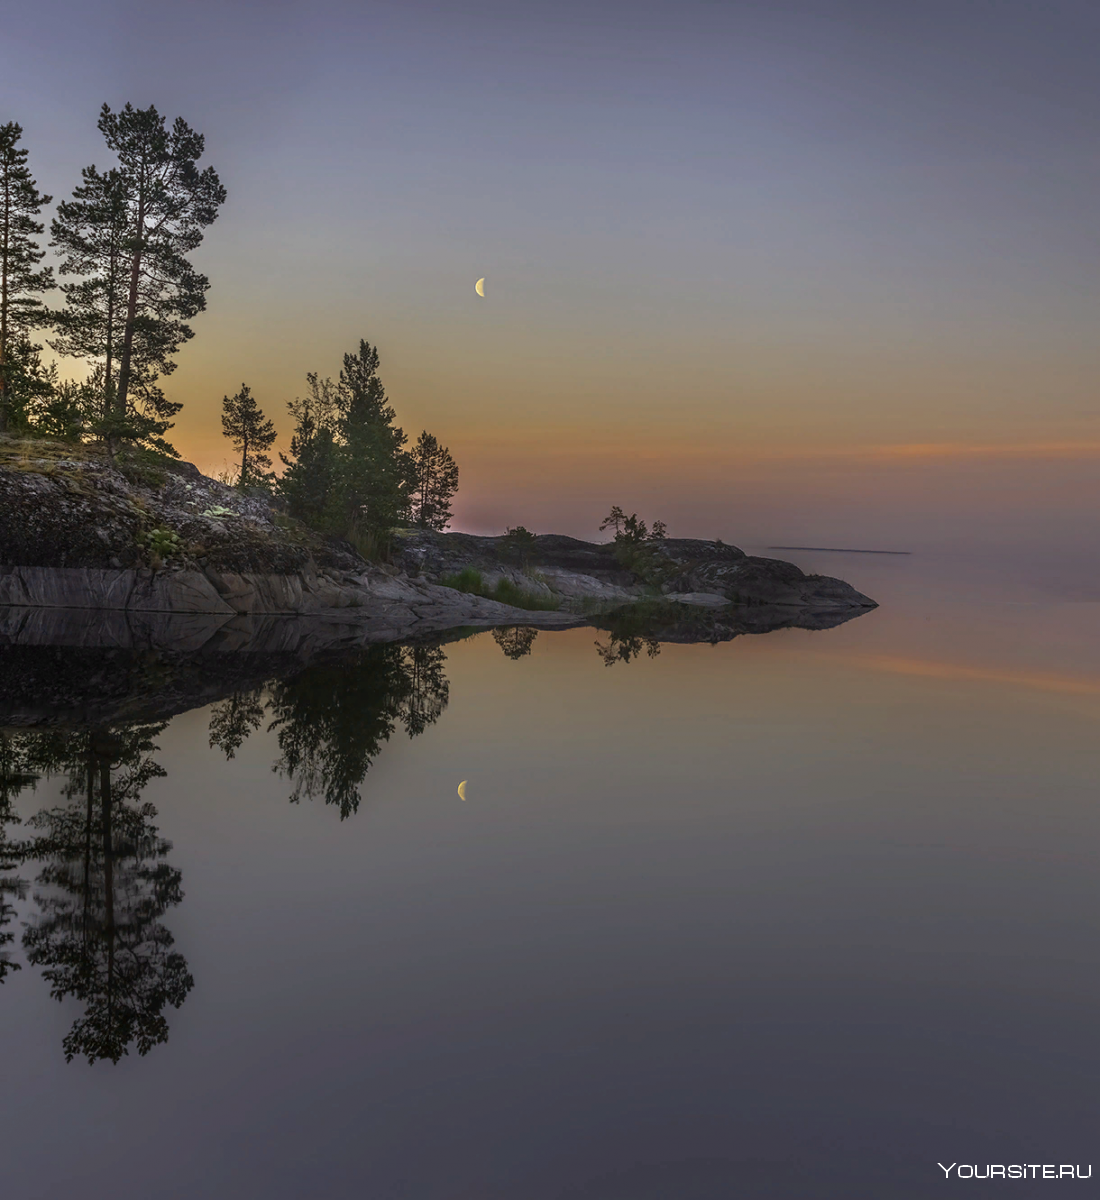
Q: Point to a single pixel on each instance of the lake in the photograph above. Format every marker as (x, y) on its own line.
(800, 914)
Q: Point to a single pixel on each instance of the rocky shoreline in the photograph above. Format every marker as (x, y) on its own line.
(79, 534)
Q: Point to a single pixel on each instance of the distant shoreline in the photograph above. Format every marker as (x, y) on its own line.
(839, 550)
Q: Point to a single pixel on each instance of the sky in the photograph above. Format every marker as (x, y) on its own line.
(791, 272)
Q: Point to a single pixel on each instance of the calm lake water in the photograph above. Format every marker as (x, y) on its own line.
(797, 915)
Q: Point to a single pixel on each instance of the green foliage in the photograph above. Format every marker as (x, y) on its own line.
(375, 470)
(252, 435)
(348, 472)
(508, 592)
(310, 485)
(30, 388)
(435, 481)
(470, 580)
(137, 427)
(162, 544)
(21, 279)
(467, 580)
(375, 545)
(65, 411)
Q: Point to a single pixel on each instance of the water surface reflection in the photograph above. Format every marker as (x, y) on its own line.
(795, 915)
(102, 883)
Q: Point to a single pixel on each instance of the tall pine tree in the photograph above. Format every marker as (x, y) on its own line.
(348, 472)
(21, 279)
(153, 208)
(377, 470)
(252, 435)
(90, 232)
(435, 475)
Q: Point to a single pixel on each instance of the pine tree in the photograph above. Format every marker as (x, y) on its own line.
(90, 233)
(30, 386)
(376, 475)
(251, 433)
(309, 484)
(21, 280)
(348, 472)
(436, 481)
(128, 235)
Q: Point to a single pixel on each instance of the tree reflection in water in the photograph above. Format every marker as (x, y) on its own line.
(103, 887)
(104, 884)
(333, 719)
(515, 641)
(14, 777)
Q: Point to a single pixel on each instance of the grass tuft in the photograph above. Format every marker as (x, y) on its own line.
(470, 580)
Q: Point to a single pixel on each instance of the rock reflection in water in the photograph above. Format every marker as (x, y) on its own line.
(642, 628)
(102, 889)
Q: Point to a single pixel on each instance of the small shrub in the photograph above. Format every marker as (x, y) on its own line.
(636, 546)
(162, 544)
(518, 544)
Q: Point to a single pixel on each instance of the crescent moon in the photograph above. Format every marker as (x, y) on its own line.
(462, 790)
(479, 287)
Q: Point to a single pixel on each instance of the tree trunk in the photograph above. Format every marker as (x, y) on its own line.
(5, 253)
(131, 314)
(108, 400)
(87, 890)
(108, 875)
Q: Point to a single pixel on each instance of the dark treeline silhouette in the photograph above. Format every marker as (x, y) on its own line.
(349, 472)
(128, 285)
(123, 241)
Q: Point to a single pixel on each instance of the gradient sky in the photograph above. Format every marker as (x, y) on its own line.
(779, 271)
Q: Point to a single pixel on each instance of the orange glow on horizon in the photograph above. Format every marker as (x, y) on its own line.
(1044, 681)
